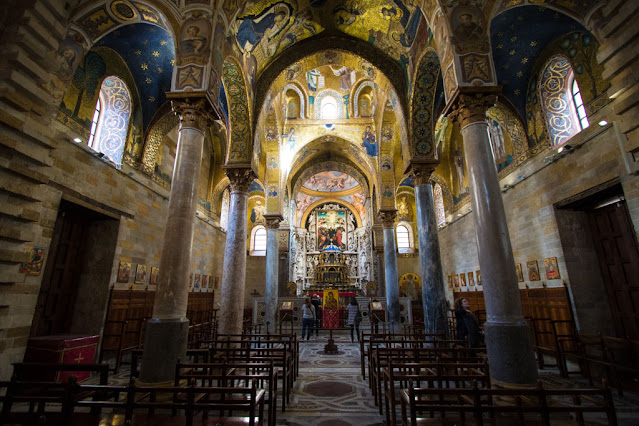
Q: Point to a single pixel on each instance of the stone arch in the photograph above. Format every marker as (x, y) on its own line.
(361, 87)
(338, 98)
(330, 40)
(216, 196)
(422, 103)
(327, 200)
(239, 148)
(302, 95)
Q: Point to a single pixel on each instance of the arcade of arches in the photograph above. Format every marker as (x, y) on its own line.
(181, 146)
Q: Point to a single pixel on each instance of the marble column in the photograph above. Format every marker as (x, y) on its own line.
(272, 269)
(508, 339)
(167, 331)
(391, 277)
(433, 292)
(234, 269)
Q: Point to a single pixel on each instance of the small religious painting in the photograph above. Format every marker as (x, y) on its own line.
(462, 280)
(195, 37)
(410, 285)
(205, 281)
(190, 281)
(478, 275)
(533, 270)
(331, 299)
(520, 275)
(450, 281)
(217, 281)
(36, 258)
(291, 289)
(371, 288)
(287, 306)
(196, 282)
(140, 274)
(456, 281)
(471, 279)
(552, 269)
(124, 272)
(377, 306)
(331, 229)
(154, 275)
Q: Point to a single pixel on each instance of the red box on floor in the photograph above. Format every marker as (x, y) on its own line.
(63, 349)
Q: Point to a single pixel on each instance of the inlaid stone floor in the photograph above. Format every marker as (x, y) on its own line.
(330, 391)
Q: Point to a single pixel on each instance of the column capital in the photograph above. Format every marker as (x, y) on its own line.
(470, 104)
(273, 220)
(387, 216)
(194, 109)
(241, 177)
(421, 170)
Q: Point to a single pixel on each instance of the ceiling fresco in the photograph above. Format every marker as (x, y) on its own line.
(149, 53)
(330, 181)
(518, 36)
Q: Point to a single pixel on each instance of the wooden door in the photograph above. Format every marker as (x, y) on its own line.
(54, 310)
(618, 254)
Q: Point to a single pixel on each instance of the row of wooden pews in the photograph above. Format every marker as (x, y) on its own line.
(439, 381)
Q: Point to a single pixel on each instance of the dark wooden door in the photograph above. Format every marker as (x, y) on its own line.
(618, 254)
(56, 300)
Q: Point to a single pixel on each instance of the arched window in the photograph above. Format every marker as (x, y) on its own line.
(329, 108)
(224, 209)
(404, 240)
(258, 241)
(111, 119)
(561, 100)
(438, 197)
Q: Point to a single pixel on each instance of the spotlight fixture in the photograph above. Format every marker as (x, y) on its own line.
(603, 123)
(77, 140)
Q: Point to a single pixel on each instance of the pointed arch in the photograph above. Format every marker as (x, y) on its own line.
(239, 148)
(423, 102)
(303, 113)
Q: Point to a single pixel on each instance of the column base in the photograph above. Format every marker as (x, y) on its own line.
(510, 353)
(165, 341)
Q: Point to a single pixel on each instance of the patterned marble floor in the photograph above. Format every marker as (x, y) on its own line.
(330, 391)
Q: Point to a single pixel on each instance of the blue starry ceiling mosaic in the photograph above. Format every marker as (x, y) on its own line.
(518, 36)
(149, 53)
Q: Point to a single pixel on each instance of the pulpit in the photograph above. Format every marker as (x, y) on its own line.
(62, 349)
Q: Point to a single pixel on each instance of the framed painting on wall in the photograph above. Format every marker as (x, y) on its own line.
(471, 279)
(140, 274)
(520, 275)
(462, 280)
(533, 270)
(478, 275)
(450, 281)
(154, 275)
(456, 281)
(124, 272)
(331, 229)
(205, 281)
(552, 269)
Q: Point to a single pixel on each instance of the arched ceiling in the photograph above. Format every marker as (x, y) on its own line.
(149, 52)
(518, 37)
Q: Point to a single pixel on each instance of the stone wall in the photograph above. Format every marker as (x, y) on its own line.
(255, 279)
(536, 226)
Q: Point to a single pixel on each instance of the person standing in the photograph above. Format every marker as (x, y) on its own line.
(315, 301)
(467, 324)
(353, 320)
(308, 318)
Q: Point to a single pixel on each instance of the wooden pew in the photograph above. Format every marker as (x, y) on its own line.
(504, 406)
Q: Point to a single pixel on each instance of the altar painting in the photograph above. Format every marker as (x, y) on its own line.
(331, 229)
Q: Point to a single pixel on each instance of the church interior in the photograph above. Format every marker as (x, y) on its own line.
(180, 168)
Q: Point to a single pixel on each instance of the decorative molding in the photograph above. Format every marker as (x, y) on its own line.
(422, 170)
(273, 220)
(240, 177)
(387, 217)
(193, 109)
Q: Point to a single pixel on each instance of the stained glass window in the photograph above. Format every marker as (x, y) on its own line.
(440, 213)
(111, 119)
(561, 100)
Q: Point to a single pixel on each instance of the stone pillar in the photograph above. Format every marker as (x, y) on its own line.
(167, 331)
(234, 269)
(508, 339)
(272, 269)
(433, 292)
(391, 278)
